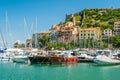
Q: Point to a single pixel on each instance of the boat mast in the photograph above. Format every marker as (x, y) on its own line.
(31, 46)
(2, 38)
(6, 25)
(25, 24)
(36, 41)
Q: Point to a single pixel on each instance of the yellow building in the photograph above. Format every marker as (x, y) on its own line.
(89, 33)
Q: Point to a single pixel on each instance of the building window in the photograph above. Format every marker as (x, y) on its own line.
(84, 34)
(118, 26)
(92, 34)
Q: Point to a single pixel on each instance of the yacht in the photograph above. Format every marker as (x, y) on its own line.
(104, 57)
(53, 57)
(105, 60)
(85, 58)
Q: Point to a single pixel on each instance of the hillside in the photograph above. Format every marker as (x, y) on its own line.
(102, 18)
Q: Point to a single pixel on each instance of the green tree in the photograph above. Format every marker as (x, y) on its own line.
(44, 41)
(22, 46)
(115, 41)
(16, 45)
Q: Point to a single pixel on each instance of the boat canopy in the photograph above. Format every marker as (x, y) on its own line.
(2, 51)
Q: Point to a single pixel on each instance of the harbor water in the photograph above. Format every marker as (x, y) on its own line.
(79, 71)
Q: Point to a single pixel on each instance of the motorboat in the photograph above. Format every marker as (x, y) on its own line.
(105, 60)
(85, 58)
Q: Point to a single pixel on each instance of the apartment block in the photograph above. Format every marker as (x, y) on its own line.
(88, 33)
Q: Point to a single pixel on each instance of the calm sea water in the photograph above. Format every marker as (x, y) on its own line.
(80, 71)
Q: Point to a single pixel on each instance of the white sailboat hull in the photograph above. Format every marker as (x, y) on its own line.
(20, 59)
(4, 59)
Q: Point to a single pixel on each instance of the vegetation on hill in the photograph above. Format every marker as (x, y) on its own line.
(103, 18)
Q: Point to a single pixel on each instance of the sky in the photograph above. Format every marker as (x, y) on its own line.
(19, 19)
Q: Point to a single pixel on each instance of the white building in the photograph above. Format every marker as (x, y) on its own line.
(107, 32)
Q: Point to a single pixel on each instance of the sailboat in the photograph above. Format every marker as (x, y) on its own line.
(21, 56)
(3, 55)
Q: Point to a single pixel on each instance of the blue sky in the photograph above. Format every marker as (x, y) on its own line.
(48, 12)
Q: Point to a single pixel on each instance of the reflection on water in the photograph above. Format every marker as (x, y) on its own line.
(83, 71)
(106, 66)
(55, 65)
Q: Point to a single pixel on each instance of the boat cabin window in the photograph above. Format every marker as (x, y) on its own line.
(103, 52)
